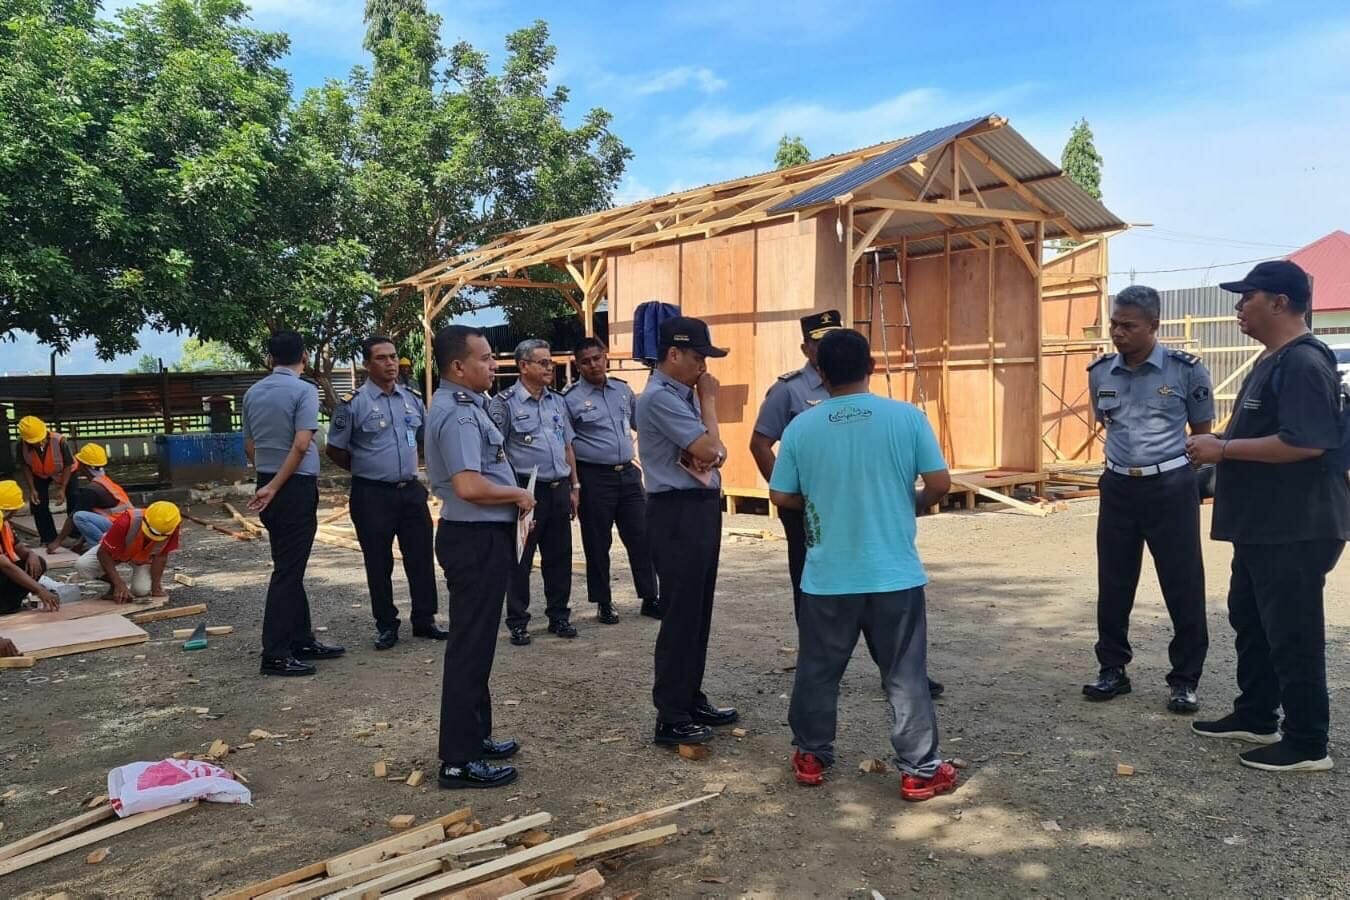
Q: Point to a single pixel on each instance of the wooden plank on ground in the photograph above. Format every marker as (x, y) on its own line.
(17, 662)
(83, 609)
(77, 636)
(295, 876)
(540, 887)
(211, 631)
(176, 612)
(1026, 508)
(93, 836)
(61, 559)
(587, 884)
(493, 890)
(544, 869)
(399, 844)
(56, 832)
(624, 842)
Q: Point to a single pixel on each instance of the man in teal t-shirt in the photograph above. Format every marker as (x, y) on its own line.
(851, 464)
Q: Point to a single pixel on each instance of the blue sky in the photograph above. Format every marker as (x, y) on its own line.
(1226, 125)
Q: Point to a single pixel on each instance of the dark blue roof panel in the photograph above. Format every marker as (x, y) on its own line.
(880, 167)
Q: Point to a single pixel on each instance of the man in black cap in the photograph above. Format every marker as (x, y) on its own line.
(681, 451)
(1282, 498)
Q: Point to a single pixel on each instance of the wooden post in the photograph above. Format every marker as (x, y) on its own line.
(944, 392)
(994, 453)
(164, 397)
(430, 338)
(1038, 252)
(849, 298)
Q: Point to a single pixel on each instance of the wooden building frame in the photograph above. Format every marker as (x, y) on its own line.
(961, 213)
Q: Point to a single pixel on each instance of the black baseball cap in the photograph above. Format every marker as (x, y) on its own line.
(1278, 276)
(689, 333)
(817, 325)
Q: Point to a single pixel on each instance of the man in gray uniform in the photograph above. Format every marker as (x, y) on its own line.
(1145, 395)
(476, 545)
(280, 417)
(533, 419)
(375, 435)
(601, 411)
(681, 449)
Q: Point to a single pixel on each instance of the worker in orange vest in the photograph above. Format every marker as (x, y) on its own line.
(92, 507)
(142, 540)
(20, 568)
(46, 468)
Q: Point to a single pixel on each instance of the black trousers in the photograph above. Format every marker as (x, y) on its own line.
(12, 593)
(794, 527)
(42, 510)
(552, 535)
(610, 497)
(1275, 608)
(1162, 511)
(381, 512)
(292, 519)
(686, 532)
(477, 560)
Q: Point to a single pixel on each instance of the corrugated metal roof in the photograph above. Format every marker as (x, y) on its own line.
(880, 167)
(1327, 260)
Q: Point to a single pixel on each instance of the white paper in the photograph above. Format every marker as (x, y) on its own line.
(526, 521)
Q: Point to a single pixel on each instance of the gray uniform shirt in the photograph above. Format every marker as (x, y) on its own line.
(790, 396)
(602, 420)
(1146, 409)
(275, 409)
(461, 438)
(381, 431)
(537, 432)
(668, 421)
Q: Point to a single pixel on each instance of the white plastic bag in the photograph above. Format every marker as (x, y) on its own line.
(142, 786)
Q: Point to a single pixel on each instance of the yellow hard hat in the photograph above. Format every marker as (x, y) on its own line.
(32, 430)
(11, 496)
(93, 455)
(404, 361)
(161, 520)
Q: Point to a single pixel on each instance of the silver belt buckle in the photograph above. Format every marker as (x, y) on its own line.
(1136, 472)
(619, 467)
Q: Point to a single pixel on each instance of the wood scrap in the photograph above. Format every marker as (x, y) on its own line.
(176, 612)
(249, 524)
(534, 838)
(649, 837)
(218, 750)
(211, 630)
(83, 609)
(185, 580)
(415, 778)
(295, 876)
(381, 769)
(56, 832)
(17, 662)
(400, 822)
(1027, 508)
(229, 532)
(586, 884)
(98, 856)
(549, 867)
(93, 836)
(539, 887)
(75, 636)
(335, 516)
(379, 851)
(493, 890)
(693, 751)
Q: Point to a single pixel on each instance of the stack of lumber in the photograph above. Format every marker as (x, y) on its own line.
(81, 831)
(455, 857)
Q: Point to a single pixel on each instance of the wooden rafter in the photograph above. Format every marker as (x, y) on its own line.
(1021, 190)
(951, 208)
(1018, 244)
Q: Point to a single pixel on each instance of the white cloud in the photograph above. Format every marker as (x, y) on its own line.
(703, 78)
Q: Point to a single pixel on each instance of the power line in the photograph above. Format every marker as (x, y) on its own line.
(1240, 262)
(1170, 233)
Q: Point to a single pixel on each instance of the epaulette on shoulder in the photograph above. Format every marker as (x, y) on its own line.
(463, 398)
(347, 396)
(788, 376)
(1099, 360)
(1189, 359)
(567, 390)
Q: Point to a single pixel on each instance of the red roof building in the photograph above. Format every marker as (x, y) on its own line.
(1327, 260)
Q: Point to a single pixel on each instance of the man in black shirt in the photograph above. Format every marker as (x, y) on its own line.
(1282, 498)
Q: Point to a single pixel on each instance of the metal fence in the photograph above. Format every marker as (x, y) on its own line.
(1201, 321)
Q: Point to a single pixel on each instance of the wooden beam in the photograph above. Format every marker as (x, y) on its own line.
(951, 208)
(932, 173)
(1026, 508)
(975, 191)
(56, 832)
(862, 245)
(625, 842)
(1018, 244)
(92, 836)
(1021, 190)
(177, 612)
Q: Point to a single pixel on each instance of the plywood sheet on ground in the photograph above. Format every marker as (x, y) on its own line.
(26, 523)
(81, 609)
(61, 559)
(75, 636)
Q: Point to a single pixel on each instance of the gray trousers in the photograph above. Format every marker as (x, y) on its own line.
(827, 632)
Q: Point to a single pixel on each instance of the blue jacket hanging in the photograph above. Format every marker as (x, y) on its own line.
(647, 319)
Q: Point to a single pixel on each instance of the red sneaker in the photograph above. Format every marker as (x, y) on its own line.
(809, 770)
(914, 788)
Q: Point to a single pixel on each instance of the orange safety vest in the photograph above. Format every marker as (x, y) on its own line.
(7, 544)
(139, 550)
(112, 487)
(49, 461)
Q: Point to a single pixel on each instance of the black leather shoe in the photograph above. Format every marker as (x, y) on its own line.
(1109, 684)
(285, 667)
(562, 628)
(683, 733)
(476, 774)
(606, 615)
(316, 650)
(432, 632)
(500, 749)
(707, 714)
(936, 689)
(386, 638)
(652, 610)
(520, 637)
(1181, 699)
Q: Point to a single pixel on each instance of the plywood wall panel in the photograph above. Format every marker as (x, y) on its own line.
(1016, 297)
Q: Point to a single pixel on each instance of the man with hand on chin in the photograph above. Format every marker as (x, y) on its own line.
(1282, 498)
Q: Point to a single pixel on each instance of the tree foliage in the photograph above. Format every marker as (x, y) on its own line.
(198, 355)
(1081, 161)
(791, 152)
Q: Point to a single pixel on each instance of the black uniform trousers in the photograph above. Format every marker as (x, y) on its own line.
(552, 535)
(42, 510)
(686, 533)
(381, 512)
(1162, 511)
(477, 559)
(292, 520)
(613, 495)
(1275, 608)
(12, 593)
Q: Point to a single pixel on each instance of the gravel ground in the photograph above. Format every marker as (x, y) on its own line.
(1040, 809)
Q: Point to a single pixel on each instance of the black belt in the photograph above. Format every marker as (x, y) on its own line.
(392, 485)
(621, 467)
(686, 494)
(524, 481)
(510, 525)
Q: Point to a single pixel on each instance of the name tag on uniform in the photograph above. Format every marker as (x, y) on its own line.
(1251, 404)
(522, 415)
(1106, 393)
(412, 438)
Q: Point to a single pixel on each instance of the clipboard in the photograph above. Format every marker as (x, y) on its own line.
(526, 520)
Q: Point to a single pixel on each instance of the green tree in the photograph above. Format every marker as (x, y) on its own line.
(1081, 161)
(382, 15)
(148, 364)
(197, 355)
(791, 152)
